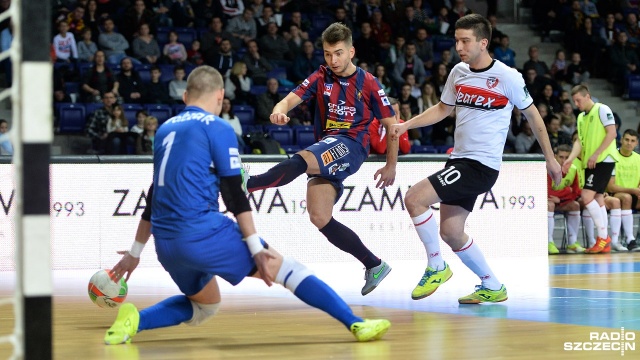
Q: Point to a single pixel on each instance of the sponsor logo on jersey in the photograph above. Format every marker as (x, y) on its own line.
(359, 95)
(385, 101)
(305, 82)
(477, 98)
(341, 109)
(492, 82)
(333, 124)
(327, 89)
(381, 92)
(344, 83)
(338, 167)
(334, 153)
(526, 92)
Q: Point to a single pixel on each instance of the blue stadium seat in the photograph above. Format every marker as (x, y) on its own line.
(246, 114)
(161, 112)
(258, 89)
(285, 89)
(71, 88)
(177, 108)
(278, 73)
(186, 36)
(145, 75)
(72, 118)
(83, 68)
(90, 108)
(423, 149)
(281, 134)
(291, 149)
(633, 84)
(442, 149)
(443, 43)
(130, 111)
(166, 72)
(304, 136)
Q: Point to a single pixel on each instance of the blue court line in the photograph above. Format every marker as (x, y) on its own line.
(603, 268)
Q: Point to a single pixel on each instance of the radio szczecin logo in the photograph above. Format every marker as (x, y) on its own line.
(605, 341)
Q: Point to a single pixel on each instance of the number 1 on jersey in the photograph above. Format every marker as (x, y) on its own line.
(167, 143)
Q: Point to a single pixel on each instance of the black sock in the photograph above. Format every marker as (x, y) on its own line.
(281, 174)
(346, 240)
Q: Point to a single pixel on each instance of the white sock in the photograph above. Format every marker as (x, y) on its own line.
(427, 229)
(587, 221)
(471, 256)
(614, 222)
(551, 223)
(627, 224)
(596, 216)
(605, 217)
(573, 222)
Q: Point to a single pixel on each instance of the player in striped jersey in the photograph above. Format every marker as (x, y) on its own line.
(347, 100)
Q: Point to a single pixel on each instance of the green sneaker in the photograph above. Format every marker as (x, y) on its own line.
(374, 276)
(430, 282)
(369, 330)
(482, 294)
(553, 250)
(244, 172)
(125, 326)
(575, 248)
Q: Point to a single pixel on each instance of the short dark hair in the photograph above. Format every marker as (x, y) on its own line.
(582, 89)
(563, 147)
(626, 132)
(481, 27)
(336, 33)
(2, 121)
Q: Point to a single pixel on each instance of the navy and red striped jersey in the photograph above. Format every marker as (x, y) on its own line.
(345, 105)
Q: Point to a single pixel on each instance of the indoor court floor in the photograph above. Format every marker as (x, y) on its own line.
(560, 307)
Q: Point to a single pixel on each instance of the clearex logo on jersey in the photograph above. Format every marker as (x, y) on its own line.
(477, 98)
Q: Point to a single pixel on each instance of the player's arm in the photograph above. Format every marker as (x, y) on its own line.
(388, 172)
(540, 132)
(430, 116)
(613, 188)
(279, 114)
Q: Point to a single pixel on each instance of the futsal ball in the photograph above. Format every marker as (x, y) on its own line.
(105, 292)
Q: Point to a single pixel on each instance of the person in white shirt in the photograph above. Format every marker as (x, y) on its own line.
(64, 44)
(483, 92)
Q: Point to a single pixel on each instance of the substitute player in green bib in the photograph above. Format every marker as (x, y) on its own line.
(625, 184)
(596, 147)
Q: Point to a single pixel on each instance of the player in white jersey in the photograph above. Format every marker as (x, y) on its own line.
(483, 92)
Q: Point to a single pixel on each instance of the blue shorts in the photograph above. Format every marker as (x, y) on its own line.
(338, 157)
(192, 262)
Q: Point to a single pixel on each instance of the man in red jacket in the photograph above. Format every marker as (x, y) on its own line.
(378, 133)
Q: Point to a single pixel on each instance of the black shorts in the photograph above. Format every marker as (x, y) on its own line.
(461, 181)
(597, 179)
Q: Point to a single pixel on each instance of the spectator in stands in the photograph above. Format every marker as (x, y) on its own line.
(275, 48)
(632, 29)
(112, 43)
(405, 111)
(428, 98)
(5, 143)
(128, 85)
(366, 46)
(134, 17)
(382, 33)
(182, 14)
(295, 41)
(145, 47)
(92, 19)
(86, 48)
(574, 22)
(138, 128)
(227, 114)
(448, 60)
(392, 11)
(64, 44)
(505, 54)
(423, 12)
(623, 62)
(224, 59)
(59, 94)
(534, 62)
(233, 8)
(144, 142)
(559, 67)
(387, 85)
(409, 25)
(305, 63)
(118, 132)
(439, 79)
(459, 9)
(194, 56)
(303, 25)
(577, 72)
(496, 34)
(237, 87)
(302, 114)
(98, 80)
(625, 186)
(210, 41)
(590, 44)
(553, 103)
(178, 85)
(363, 65)
(257, 65)
(242, 27)
(567, 118)
(174, 52)
(97, 125)
(265, 103)
(609, 31)
(397, 50)
(515, 126)
(160, 9)
(342, 17)
(406, 98)
(424, 48)
(410, 79)
(409, 63)
(205, 11)
(156, 92)
(75, 20)
(262, 21)
(444, 22)
(557, 137)
(562, 197)
(257, 6)
(378, 133)
(525, 139)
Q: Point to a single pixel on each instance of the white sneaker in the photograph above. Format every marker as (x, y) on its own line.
(618, 247)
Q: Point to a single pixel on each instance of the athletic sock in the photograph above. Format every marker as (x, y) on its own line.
(587, 222)
(281, 174)
(573, 222)
(471, 256)
(627, 224)
(551, 224)
(172, 311)
(427, 229)
(605, 217)
(596, 216)
(614, 223)
(318, 294)
(348, 241)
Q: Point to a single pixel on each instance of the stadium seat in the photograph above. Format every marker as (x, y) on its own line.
(161, 112)
(443, 43)
(130, 111)
(166, 71)
(90, 108)
(186, 36)
(246, 114)
(304, 136)
(72, 88)
(281, 134)
(72, 118)
(423, 149)
(177, 108)
(633, 84)
(258, 89)
(291, 149)
(145, 75)
(278, 73)
(83, 68)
